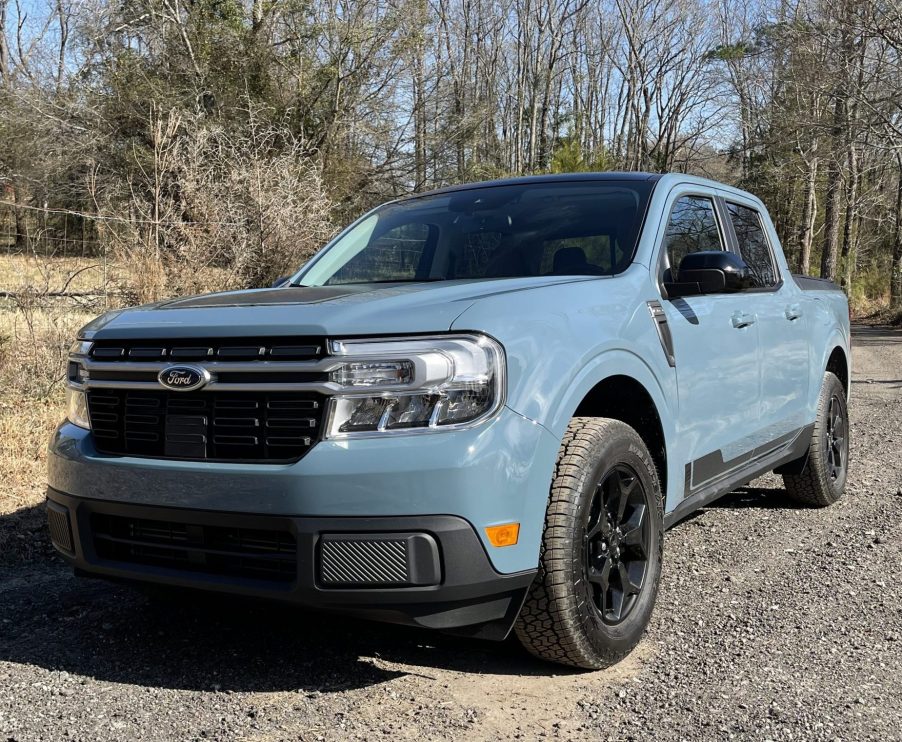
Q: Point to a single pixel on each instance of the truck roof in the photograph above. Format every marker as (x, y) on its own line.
(551, 178)
(671, 178)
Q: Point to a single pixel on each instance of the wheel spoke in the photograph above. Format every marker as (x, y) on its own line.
(629, 586)
(616, 606)
(632, 531)
(601, 577)
(623, 495)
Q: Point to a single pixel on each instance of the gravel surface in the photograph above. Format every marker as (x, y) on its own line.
(773, 622)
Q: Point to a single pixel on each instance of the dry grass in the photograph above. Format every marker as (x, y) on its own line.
(36, 329)
(43, 275)
(35, 333)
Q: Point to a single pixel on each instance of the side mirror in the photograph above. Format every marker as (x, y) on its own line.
(710, 272)
(281, 281)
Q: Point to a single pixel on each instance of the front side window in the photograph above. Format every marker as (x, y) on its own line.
(753, 245)
(584, 228)
(692, 228)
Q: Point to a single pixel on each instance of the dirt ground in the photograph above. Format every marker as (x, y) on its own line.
(773, 622)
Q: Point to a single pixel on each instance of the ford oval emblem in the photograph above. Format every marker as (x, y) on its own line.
(183, 378)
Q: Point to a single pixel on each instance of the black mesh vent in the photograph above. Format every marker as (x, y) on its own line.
(58, 524)
(269, 555)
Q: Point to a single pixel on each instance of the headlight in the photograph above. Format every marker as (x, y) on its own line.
(401, 385)
(77, 408)
(76, 375)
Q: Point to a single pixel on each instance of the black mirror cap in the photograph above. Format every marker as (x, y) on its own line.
(711, 272)
(281, 281)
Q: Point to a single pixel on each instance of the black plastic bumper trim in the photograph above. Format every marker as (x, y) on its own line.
(471, 598)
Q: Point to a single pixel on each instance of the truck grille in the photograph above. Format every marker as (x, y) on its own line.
(263, 400)
(215, 426)
(222, 349)
(269, 555)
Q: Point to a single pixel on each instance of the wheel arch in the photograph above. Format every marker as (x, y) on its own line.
(838, 364)
(622, 397)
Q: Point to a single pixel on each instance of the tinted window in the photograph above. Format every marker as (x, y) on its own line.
(692, 228)
(599, 252)
(530, 229)
(394, 254)
(753, 245)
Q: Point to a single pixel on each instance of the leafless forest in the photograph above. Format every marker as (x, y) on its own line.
(213, 143)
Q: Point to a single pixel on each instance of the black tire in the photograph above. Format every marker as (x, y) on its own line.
(822, 481)
(569, 613)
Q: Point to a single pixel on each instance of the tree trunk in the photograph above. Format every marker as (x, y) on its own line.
(809, 213)
(849, 235)
(21, 221)
(896, 272)
(420, 116)
(834, 188)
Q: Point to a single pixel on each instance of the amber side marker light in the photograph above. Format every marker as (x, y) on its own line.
(503, 535)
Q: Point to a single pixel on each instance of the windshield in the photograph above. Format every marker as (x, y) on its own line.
(585, 228)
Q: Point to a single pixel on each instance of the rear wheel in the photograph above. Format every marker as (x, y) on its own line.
(601, 550)
(822, 481)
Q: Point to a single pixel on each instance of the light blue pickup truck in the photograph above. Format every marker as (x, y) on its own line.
(475, 410)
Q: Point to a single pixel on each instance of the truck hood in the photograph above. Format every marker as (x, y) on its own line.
(354, 309)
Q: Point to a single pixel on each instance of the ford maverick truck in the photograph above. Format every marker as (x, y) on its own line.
(476, 410)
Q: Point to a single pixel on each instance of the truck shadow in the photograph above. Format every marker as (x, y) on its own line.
(770, 498)
(112, 632)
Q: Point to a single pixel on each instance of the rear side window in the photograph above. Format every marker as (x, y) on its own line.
(692, 228)
(753, 245)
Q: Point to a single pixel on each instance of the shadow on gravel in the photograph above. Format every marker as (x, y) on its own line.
(113, 632)
(771, 498)
(876, 334)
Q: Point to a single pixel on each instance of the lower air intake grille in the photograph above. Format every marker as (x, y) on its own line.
(58, 523)
(221, 426)
(269, 555)
(364, 561)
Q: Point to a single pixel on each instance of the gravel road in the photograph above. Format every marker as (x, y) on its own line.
(773, 622)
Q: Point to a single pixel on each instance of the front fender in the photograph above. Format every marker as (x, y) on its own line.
(561, 341)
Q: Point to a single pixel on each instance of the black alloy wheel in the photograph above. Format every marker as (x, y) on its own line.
(616, 544)
(835, 444)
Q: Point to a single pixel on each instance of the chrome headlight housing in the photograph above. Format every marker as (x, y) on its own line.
(405, 385)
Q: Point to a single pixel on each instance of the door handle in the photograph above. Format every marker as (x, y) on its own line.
(793, 312)
(741, 319)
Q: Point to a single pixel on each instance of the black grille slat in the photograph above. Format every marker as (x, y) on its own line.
(269, 555)
(220, 349)
(205, 426)
(192, 354)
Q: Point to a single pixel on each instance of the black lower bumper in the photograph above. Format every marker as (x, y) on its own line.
(429, 571)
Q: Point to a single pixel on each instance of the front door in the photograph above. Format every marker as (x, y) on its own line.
(716, 342)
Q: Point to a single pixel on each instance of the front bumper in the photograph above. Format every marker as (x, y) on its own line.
(450, 582)
(495, 473)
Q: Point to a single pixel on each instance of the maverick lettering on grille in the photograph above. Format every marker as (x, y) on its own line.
(183, 378)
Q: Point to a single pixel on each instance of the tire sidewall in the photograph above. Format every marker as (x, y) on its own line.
(625, 448)
(832, 387)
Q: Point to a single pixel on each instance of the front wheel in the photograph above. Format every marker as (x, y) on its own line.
(601, 551)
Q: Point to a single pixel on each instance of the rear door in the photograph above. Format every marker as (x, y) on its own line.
(716, 348)
(782, 326)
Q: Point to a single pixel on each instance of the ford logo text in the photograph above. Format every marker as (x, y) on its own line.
(183, 378)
